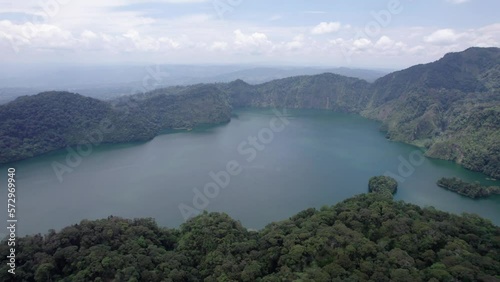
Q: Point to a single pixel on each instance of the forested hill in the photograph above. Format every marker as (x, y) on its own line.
(451, 106)
(324, 91)
(33, 125)
(365, 238)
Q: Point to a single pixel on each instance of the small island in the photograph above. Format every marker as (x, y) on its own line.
(382, 184)
(472, 190)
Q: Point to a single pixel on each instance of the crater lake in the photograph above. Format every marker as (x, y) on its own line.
(303, 159)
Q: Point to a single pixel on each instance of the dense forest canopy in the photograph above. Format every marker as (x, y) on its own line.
(382, 184)
(33, 125)
(471, 190)
(368, 237)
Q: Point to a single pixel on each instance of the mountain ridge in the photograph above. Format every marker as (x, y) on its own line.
(450, 107)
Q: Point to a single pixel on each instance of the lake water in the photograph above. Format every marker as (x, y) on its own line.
(319, 158)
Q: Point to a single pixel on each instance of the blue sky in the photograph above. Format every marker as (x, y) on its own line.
(376, 34)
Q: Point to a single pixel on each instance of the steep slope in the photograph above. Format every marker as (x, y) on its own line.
(470, 71)
(324, 91)
(450, 106)
(33, 125)
(365, 238)
(174, 107)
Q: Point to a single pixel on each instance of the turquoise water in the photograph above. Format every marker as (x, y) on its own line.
(320, 158)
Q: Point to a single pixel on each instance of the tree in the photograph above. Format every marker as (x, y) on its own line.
(382, 184)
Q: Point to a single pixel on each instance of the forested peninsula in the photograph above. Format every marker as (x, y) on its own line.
(471, 190)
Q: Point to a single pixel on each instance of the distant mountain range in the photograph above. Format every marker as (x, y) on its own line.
(107, 82)
(450, 107)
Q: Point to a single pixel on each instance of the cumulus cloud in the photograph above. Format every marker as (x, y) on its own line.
(46, 36)
(443, 37)
(362, 43)
(40, 36)
(296, 44)
(255, 40)
(326, 27)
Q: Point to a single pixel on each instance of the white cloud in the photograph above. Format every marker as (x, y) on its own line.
(87, 34)
(139, 43)
(362, 43)
(296, 44)
(326, 27)
(219, 46)
(442, 37)
(39, 36)
(385, 42)
(256, 39)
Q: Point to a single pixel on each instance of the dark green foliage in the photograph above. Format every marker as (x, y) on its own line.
(366, 238)
(451, 107)
(34, 125)
(383, 184)
(324, 91)
(471, 190)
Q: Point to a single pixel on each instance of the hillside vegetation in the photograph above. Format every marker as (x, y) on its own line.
(471, 190)
(368, 237)
(451, 107)
(33, 125)
(324, 91)
(382, 184)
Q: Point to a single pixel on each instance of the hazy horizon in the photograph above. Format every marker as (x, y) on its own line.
(110, 81)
